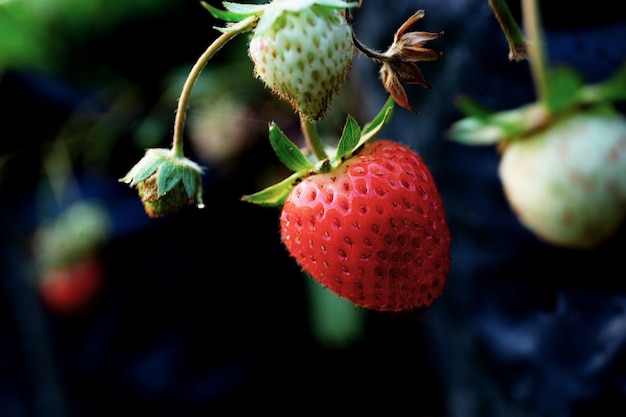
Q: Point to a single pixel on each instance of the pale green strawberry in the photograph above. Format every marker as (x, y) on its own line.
(303, 50)
(567, 182)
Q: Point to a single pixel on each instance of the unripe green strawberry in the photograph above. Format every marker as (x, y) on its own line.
(373, 230)
(303, 53)
(567, 183)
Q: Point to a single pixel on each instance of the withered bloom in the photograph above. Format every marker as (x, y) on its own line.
(399, 62)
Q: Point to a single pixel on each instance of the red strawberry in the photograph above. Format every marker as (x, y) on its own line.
(373, 230)
(72, 288)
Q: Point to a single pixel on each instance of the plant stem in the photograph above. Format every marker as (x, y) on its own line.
(183, 101)
(536, 47)
(512, 32)
(312, 137)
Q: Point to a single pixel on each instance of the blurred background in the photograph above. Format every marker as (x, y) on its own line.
(104, 310)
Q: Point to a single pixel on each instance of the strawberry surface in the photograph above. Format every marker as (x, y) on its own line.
(567, 183)
(373, 230)
(304, 55)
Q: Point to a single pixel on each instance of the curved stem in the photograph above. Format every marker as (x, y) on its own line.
(536, 47)
(181, 111)
(312, 137)
(370, 53)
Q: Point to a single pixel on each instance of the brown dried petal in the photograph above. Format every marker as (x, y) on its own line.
(417, 39)
(409, 22)
(409, 73)
(393, 85)
(411, 50)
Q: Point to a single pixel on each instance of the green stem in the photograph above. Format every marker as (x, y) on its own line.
(536, 47)
(312, 137)
(512, 32)
(183, 101)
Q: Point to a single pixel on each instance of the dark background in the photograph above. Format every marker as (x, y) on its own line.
(204, 313)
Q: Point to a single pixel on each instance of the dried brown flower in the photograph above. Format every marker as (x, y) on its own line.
(399, 62)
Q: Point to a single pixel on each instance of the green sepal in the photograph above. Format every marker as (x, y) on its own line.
(372, 128)
(168, 176)
(244, 9)
(144, 168)
(563, 88)
(275, 9)
(191, 179)
(304, 4)
(353, 137)
(472, 108)
(235, 12)
(288, 153)
(168, 169)
(486, 128)
(295, 5)
(611, 90)
(274, 195)
(349, 139)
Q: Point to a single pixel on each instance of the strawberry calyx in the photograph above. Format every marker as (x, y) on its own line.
(267, 13)
(352, 138)
(166, 181)
(566, 93)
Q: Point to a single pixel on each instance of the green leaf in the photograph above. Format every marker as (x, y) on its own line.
(564, 85)
(287, 151)
(274, 195)
(349, 138)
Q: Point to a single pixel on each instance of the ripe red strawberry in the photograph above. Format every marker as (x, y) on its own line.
(373, 230)
(65, 251)
(73, 287)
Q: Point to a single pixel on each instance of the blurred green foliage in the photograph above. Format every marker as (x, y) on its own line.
(40, 33)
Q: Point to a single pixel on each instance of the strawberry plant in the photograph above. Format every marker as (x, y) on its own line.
(65, 250)
(563, 157)
(364, 218)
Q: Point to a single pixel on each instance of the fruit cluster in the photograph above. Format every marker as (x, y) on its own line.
(365, 219)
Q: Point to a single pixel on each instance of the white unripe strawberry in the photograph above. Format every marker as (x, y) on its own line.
(303, 50)
(567, 183)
